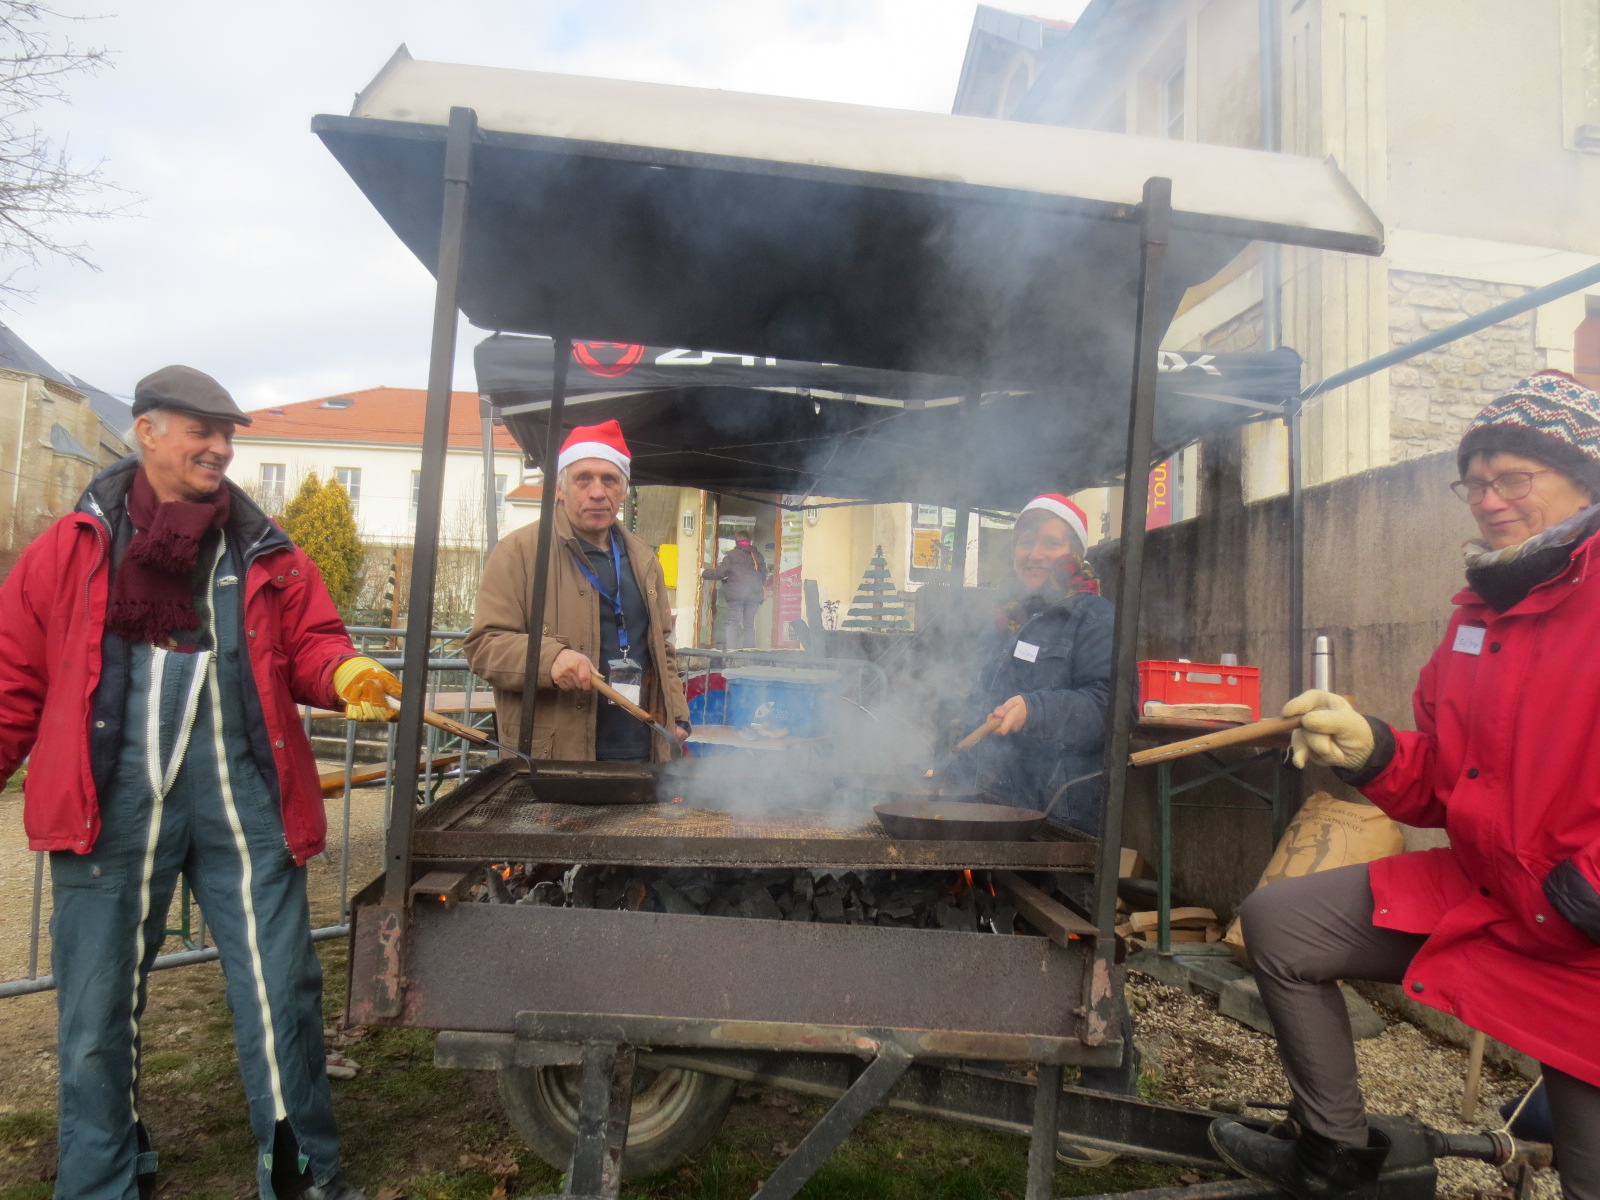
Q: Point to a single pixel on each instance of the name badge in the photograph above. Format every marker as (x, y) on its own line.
(1027, 652)
(1469, 639)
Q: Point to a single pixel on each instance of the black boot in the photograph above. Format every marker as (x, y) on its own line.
(335, 1189)
(1309, 1167)
(145, 1179)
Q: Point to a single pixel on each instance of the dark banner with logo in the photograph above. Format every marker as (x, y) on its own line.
(515, 369)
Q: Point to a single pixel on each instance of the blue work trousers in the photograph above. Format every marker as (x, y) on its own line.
(186, 798)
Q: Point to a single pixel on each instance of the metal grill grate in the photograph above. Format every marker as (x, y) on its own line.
(507, 813)
(496, 816)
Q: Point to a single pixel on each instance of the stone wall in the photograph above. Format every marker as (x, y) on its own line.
(1241, 334)
(1434, 395)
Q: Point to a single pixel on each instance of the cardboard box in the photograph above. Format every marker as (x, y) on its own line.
(1182, 918)
(1133, 866)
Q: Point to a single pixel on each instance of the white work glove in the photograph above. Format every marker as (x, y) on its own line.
(1331, 733)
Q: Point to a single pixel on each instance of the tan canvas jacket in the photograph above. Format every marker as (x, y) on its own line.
(497, 645)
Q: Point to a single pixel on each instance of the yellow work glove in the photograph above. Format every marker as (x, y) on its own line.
(365, 687)
(1331, 733)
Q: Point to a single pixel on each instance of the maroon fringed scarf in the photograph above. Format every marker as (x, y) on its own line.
(152, 593)
(1071, 575)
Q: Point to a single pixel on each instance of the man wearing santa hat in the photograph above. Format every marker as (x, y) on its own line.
(606, 614)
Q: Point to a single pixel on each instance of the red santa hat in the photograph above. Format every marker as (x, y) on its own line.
(1058, 505)
(595, 441)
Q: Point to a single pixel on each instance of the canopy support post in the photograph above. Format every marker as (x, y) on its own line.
(969, 424)
(1292, 780)
(1102, 1000)
(419, 619)
(491, 507)
(541, 566)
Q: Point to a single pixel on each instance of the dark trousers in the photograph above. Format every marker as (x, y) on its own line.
(741, 630)
(215, 822)
(1304, 936)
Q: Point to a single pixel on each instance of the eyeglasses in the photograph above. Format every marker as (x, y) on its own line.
(1513, 485)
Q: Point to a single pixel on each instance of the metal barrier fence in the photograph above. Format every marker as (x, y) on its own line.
(454, 691)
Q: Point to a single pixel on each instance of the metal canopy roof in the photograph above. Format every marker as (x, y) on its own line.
(818, 232)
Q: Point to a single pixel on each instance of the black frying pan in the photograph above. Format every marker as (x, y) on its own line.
(940, 814)
(947, 820)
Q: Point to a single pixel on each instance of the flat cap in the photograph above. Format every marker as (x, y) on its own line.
(189, 390)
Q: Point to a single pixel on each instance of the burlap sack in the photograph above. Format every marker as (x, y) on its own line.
(1325, 833)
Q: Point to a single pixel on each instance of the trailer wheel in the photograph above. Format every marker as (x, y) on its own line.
(675, 1113)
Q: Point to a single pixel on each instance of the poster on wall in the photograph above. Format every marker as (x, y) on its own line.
(1158, 507)
(788, 591)
(928, 549)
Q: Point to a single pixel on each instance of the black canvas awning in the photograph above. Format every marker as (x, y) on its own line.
(728, 422)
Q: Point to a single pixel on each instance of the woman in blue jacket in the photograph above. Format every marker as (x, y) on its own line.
(1044, 669)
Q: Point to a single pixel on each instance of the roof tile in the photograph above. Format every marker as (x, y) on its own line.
(380, 416)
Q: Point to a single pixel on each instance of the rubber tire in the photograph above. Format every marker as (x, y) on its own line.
(675, 1113)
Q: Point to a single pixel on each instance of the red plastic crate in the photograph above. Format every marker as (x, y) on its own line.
(1200, 683)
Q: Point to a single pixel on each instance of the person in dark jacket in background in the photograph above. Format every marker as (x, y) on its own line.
(743, 572)
(1502, 927)
(1044, 670)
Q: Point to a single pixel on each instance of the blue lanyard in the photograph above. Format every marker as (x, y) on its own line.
(616, 601)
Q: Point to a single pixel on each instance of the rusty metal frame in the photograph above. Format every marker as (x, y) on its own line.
(1102, 999)
(762, 984)
(459, 141)
(856, 853)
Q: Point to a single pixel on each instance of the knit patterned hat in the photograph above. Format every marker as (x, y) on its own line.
(1550, 417)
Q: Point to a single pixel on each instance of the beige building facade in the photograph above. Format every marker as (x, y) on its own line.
(56, 432)
(1472, 128)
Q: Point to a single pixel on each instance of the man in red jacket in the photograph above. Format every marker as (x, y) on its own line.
(1502, 927)
(154, 644)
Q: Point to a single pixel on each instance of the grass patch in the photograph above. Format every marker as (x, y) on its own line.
(22, 1128)
(41, 1190)
(14, 784)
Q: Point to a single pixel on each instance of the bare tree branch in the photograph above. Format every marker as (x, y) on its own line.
(42, 186)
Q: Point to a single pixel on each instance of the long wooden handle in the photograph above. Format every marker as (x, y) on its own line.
(429, 717)
(617, 698)
(1273, 727)
(978, 734)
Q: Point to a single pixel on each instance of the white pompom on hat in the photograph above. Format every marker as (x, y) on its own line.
(596, 441)
(1058, 505)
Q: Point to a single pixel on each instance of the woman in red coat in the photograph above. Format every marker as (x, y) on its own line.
(1501, 929)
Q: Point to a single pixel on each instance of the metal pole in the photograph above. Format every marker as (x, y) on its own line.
(541, 562)
(491, 506)
(1046, 1133)
(165, 962)
(38, 902)
(1291, 783)
(1155, 212)
(969, 425)
(1575, 282)
(1270, 44)
(1297, 552)
(435, 441)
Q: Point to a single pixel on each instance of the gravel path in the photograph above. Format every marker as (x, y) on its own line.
(1200, 1057)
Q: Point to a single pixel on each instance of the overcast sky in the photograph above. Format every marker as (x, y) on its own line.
(251, 255)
